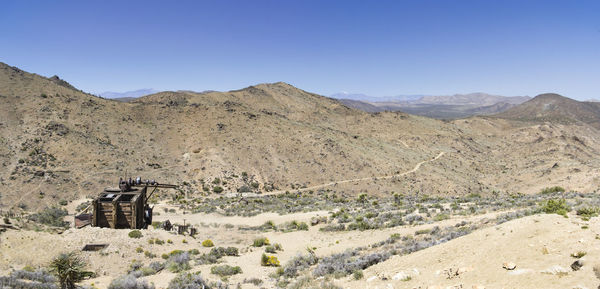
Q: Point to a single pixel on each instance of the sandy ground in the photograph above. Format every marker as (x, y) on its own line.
(482, 254)
(21, 248)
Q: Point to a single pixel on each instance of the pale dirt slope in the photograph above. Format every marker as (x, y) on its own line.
(484, 251)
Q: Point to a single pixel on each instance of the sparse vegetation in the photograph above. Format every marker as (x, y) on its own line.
(136, 234)
(587, 213)
(225, 270)
(266, 260)
(51, 216)
(556, 206)
(207, 243)
(578, 254)
(552, 190)
(259, 242)
(69, 268)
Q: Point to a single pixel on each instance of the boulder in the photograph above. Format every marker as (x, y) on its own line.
(509, 265)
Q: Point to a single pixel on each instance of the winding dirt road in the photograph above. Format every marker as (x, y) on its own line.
(316, 187)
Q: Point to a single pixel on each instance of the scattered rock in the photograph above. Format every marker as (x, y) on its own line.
(372, 278)
(509, 265)
(577, 265)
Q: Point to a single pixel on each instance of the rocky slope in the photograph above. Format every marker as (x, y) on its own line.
(60, 143)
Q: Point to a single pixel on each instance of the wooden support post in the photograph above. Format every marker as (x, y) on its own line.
(115, 208)
(95, 213)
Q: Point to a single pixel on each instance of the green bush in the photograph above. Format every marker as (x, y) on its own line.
(358, 274)
(556, 206)
(136, 234)
(225, 270)
(441, 217)
(218, 189)
(262, 241)
(269, 261)
(208, 243)
(588, 212)
(51, 216)
(551, 190)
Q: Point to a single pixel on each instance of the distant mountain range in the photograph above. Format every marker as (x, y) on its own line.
(368, 98)
(444, 106)
(128, 95)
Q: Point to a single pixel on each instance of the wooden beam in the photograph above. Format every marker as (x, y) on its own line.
(115, 207)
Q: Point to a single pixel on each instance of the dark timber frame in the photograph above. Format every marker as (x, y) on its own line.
(125, 208)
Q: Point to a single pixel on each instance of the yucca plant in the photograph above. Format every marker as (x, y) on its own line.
(69, 269)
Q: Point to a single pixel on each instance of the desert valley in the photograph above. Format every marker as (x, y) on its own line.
(286, 188)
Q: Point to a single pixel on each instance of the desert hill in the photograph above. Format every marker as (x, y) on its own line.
(443, 107)
(555, 108)
(60, 143)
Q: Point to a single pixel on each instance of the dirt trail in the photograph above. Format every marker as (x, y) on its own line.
(316, 187)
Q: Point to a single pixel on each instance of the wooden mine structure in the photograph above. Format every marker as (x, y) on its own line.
(126, 207)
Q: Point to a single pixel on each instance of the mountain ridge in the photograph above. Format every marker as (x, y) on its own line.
(60, 143)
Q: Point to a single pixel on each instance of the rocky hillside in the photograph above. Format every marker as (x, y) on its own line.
(555, 108)
(60, 143)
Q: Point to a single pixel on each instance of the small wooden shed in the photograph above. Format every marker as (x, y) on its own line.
(120, 210)
(125, 207)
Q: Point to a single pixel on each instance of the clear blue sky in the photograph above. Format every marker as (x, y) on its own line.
(373, 47)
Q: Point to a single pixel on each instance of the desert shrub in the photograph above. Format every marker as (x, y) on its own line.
(347, 262)
(298, 263)
(441, 217)
(270, 249)
(244, 189)
(139, 250)
(136, 234)
(225, 270)
(333, 228)
(149, 254)
(554, 206)
(207, 243)
(218, 189)
(207, 259)
(178, 262)
(221, 251)
(63, 202)
(28, 280)
(306, 282)
(254, 281)
(129, 281)
(34, 275)
(190, 281)
(69, 268)
(588, 212)
(358, 274)
(266, 260)
(578, 254)
(157, 266)
(259, 242)
(551, 190)
(51, 216)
